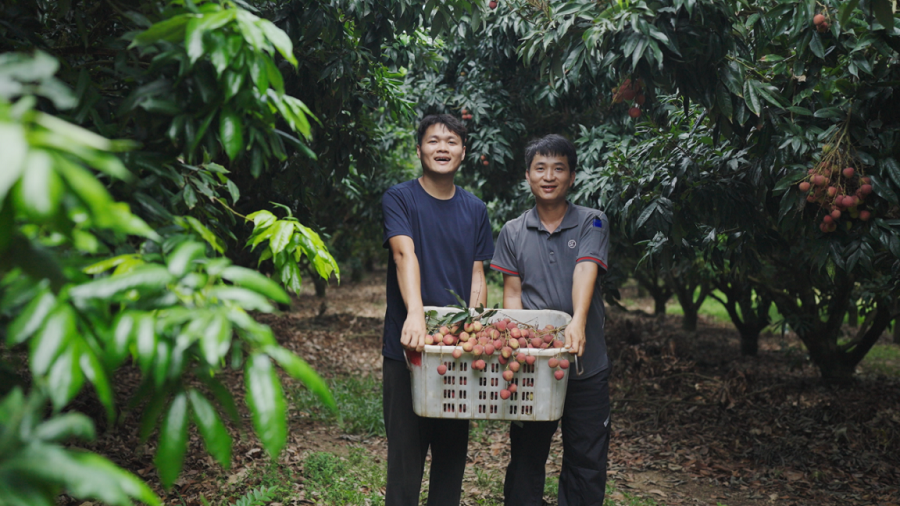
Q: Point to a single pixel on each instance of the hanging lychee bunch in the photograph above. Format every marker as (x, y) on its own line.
(821, 23)
(630, 91)
(492, 4)
(838, 186)
(465, 114)
(484, 160)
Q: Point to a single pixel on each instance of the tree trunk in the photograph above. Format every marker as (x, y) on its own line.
(321, 285)
(689, 322)
(897, 331)
(749, 340)
(853, 315)
(659, 304)
(660, 293)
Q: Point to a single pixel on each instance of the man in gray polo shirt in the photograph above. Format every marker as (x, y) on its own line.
(550, 258)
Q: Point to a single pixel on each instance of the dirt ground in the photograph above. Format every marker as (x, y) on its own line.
(693, 421)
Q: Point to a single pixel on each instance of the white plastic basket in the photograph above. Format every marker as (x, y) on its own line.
(466, 393)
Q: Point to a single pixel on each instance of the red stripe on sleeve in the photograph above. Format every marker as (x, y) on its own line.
(594, 259)
(501, 269)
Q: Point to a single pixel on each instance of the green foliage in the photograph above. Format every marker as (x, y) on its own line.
(258, 496)
(35, 466)
(355, 479)
(358, 400)
(289, 243)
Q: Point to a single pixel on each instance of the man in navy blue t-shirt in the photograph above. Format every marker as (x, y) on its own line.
(439, 235)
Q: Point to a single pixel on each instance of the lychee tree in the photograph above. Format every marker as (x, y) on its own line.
(791, 90)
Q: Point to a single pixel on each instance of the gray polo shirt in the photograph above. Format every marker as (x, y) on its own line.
(546, 263)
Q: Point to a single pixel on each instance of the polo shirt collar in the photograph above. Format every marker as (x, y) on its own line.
(570, 220)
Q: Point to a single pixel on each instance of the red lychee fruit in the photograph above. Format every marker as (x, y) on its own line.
(523, 342)
(810, 198)
(514, 344)
(804, 186)
(478, 364)
(504, 394)
(444, 330)
(502, 360)
(558, 344)
(515, 333)
(468, 346)
(827, 219)
(818, 180)
(564, 364)
(514, 366)
(506, 352)
(553, 362)
(478, 350)
(464, 111)
(520, 358)
(477, 326)
(836, 214)
(509, 375)
(449, 340)
(511, 324)
(832, 191)
(864, 215)
(639, 99)
(530, 359)
(865, 180)
(823, 226)
(442, 369)
(559, 374)
(634, 112)
(536, 342)
(457, 353)
(464, 336)
(628, 94)
(501, 325)
(429, 339)
(548, 338)
(485, 163)
(865, 189)
(818, 19)
(823, 27)
(848, 172)
(489, 349)
(493, 5)
(512, 388)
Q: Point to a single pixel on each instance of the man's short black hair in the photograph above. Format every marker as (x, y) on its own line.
(551, 145)
(451, 122)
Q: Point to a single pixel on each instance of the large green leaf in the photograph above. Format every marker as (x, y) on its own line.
(94, 372)
(300, 370)
(179, 261)
(266, 401)
(884, 13)
(282, 232)
(149, 276)
(216, 338)
(247, 299)
(66, 426)
(172, 441)
(231, 133)
(40, 190)
(279, 39)
(169, 30)
(65, 378)
(31, 318)
(51, 339)
(15, 149)
(257, 282)
(198, 26)
(215, 436)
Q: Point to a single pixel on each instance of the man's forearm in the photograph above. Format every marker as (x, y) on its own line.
(584, 279)
(478, 296)
(410, 282)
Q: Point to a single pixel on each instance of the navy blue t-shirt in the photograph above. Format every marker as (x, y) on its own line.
(449, 236)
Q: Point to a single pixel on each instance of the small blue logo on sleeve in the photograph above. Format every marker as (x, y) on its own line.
(598, 222)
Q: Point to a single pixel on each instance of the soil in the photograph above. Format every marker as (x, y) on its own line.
(693, 421)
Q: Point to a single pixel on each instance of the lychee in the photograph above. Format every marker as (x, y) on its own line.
(559, 374)
(818, 19)
(558, 344)
(444, 330)
(836, 214)
(520, 358)
(449, 340)
(478, 350)
(514, 344)
(477, 326)
(508, 375)
(827, 219)
(512, 388)
(553, 362)
(634, 112)
(848, 172)
(489, 349)
(468, 346)
(865, 189)
(523, 342)
(804, 186)
(639, 99)
(492, 4)
(832, 191)
(514, 366)
(564, 364)
(504, 394)
(864, 215)
(530, 359)
(464, 336)
(457, 353)
(502, 360)
(506, 352)
(478, 364)
(429, 339)
(442, 369)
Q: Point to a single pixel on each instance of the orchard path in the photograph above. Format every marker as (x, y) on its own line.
(693, 422)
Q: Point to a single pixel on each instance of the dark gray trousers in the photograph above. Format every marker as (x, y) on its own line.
(409, 437)
(585, 431)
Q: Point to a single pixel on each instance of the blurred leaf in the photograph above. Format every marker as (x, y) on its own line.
(172, 441)
(215, 436)
(31, 318)
(15, 149)
(257, 282)
(231, 133)
(266, 401)
(150, 276)
(300, 370)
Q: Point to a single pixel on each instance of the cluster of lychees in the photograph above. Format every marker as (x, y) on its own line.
(838, 189)
(821, 23)
(504, 339)
(629, 91)
(465, 114)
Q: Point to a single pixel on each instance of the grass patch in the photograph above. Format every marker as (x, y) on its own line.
(479, 430)
(359, 402)
(357, 479)
(883, 359)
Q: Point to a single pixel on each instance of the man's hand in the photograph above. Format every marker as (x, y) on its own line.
(413, 335)
(575, 337)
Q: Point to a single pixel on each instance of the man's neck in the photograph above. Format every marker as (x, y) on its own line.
(552, 214)
(440, 187)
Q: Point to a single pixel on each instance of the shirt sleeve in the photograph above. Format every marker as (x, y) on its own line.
(505, 256)
(593, 245)
(396, 216)
(484, 248)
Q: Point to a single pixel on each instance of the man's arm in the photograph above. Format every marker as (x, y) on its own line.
(404, 252)
(584, 278)
(512, 292)
(479, 286)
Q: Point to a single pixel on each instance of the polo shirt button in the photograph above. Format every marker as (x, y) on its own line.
(551, 252)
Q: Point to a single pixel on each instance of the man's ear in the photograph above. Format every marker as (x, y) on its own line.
(463, 154)
(418, 151)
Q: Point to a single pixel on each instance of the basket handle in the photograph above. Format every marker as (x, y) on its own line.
(579, 367)
(406, 357)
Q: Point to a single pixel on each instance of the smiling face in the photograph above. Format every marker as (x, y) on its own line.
(441, 151)
(550, 178)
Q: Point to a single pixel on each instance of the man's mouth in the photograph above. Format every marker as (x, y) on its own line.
(548, 188)
(442, 159)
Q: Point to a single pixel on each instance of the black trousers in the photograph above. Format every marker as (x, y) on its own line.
(585, 431)
(409, 437)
